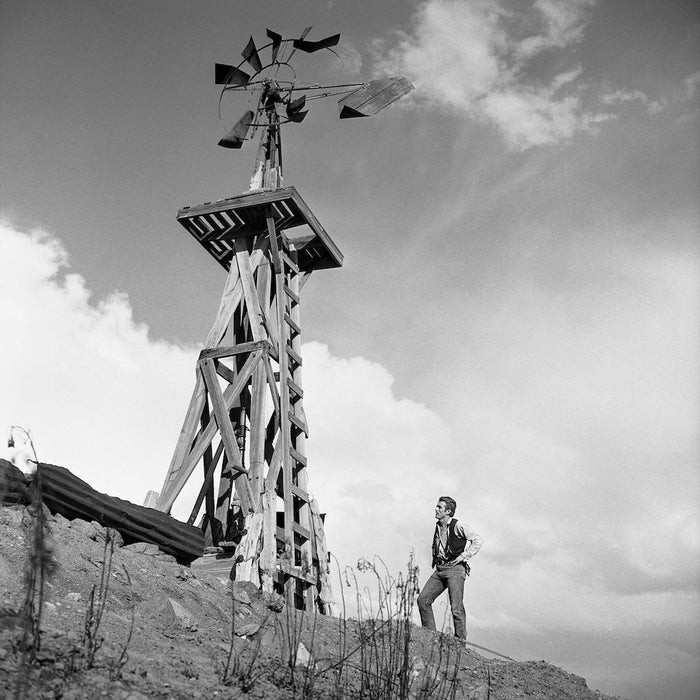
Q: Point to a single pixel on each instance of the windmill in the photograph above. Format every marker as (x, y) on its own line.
(245, 424)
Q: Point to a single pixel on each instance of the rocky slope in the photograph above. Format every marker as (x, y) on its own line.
(128, 622)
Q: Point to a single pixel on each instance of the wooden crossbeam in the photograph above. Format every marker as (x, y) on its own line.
(231, 350)
(205, 437)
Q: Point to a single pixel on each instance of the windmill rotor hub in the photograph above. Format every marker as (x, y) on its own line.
(284, 101)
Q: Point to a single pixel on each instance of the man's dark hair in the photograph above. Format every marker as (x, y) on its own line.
(450, 503)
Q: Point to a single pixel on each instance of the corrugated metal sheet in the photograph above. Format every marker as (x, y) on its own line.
(72, 497)
(13, 484)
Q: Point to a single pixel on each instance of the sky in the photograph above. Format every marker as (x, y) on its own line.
(515, 324)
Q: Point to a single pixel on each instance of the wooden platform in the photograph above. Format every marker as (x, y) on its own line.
(216, 225)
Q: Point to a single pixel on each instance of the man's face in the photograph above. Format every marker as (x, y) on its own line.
(441, 511)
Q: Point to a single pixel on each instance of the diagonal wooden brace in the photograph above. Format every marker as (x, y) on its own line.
(228, 436)
(181, 475)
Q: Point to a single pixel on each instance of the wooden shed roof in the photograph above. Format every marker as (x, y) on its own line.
(216, 224)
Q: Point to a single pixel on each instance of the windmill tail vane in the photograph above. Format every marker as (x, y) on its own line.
(282, 101)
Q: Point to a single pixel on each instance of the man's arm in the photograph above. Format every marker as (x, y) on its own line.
(474, 538)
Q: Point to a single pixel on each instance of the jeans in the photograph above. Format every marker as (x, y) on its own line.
(452, 577)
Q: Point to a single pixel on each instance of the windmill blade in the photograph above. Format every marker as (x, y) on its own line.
(373, 97)
(276, 42)
(299, 117)
(301, 38)
(250, 54)
(237, 134)
(295, 111)
(312, 46)
(229, 75)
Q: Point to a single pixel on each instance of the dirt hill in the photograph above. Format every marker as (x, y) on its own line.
(128, 622)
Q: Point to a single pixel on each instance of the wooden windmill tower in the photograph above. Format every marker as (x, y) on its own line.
(245, 424)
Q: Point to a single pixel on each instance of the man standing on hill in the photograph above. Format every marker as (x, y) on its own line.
(454, 543)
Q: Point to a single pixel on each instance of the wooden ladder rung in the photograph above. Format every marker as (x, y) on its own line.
(298, 529)
(300, 493)
(289, 263)
(297, 421)
(298, 572)
(301, 530)
(293, 354)
(294, 297)
(291, 324)
(297, 456)
(295, 388)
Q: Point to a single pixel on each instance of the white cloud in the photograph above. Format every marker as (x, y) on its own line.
(377, 460)
(95, 390)
(622, 96)
(472, 57)
(691, 84)
(564, 21)
(555, 463)
(350, 59)
(536, 117)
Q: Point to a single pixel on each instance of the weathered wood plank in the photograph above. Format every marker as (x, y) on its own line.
(300, 493)
(288, 320)
(297, 451)
(373, 97)
(274, 247)
(263, 285)
(210, 509)
(295, 388)
(272, 384)
(285, 437)
(293, 354)
(297, 421)
(231, 298)
(250, 293)
(301, 530)
(257, 431)
(247, 550)
(172, 485)
(298, 572)
(227, 434)
(290, 263)
(205, 437)
(268, 552)
(303, 279)
(315, 225)
(324, 580)
(297, 456)
(231, 350)
(292, 295)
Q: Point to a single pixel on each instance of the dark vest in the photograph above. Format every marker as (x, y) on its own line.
(455, 544)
